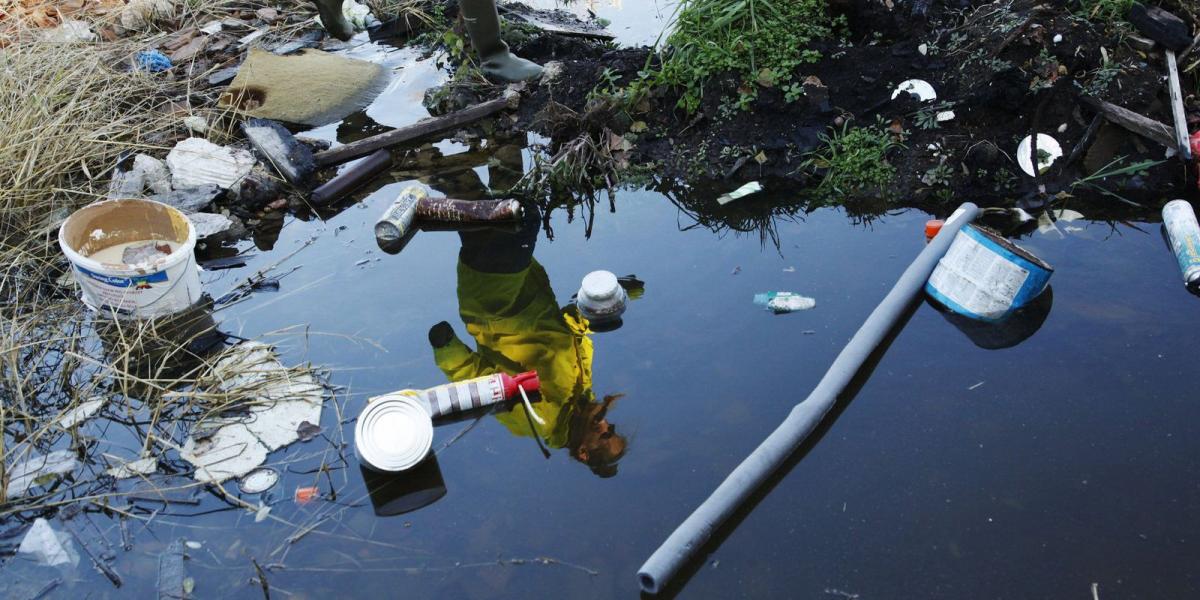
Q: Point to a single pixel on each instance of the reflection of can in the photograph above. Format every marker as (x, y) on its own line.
(984, 276)
(1184, 235)
(398, 494)
(398, 219)
(393, 433)
(1017, 327)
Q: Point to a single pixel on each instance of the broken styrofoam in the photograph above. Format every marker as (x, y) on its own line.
(47, 546)
(1048, 152)
(39, 469)
(196, 161)
(146, 172)
(208, 224)
(750, 188)
(80, 413)
(196, 124)
(285, 400)
(134, 468)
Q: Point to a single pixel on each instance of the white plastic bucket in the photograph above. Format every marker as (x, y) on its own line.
(164, 286)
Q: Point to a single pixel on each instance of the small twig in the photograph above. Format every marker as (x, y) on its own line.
(262, 580)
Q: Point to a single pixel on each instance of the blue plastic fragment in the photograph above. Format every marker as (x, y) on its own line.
(152, 60)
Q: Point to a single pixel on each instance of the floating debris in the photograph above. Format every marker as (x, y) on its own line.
(39, 470)
(753, 187)
(80, 413)
(134, 468)
(47, 546)
(258, 480)
(1048, 151)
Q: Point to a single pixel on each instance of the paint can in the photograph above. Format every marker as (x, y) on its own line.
(1183, 232)
(397, 220)
(984, 276)
(393, 433)
(160, 286)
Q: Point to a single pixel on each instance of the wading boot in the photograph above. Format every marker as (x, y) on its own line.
(497, 63)
(334, 20)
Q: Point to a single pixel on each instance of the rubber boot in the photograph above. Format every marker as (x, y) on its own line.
(497, 63)
(334, 20)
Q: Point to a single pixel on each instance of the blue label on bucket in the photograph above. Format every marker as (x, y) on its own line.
(981, 279)
(138, 282)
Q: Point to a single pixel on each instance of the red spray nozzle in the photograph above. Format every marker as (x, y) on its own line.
(528, 381)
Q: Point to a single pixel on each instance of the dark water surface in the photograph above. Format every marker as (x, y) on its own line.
(957, 472)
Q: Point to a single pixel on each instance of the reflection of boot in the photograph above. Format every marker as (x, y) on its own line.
(334, 21)
(483, 25)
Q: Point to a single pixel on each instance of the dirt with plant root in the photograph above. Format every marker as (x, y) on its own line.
(1005, 69)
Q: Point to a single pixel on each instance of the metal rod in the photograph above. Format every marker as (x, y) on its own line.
(690, 536)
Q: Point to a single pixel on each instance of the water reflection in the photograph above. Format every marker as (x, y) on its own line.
(1014, 329)
(508, 307)
(398, 493)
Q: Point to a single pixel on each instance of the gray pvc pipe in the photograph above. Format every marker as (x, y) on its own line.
(690, 536)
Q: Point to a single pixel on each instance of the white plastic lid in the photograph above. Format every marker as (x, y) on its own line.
(599, 285)
(919, 87)
(1048, 152)
(393, 433)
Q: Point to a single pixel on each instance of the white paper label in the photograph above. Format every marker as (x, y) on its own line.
(978, 279)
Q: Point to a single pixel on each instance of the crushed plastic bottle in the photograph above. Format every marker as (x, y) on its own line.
(784, 302)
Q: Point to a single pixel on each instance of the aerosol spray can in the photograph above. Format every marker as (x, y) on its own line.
(475, 393)
(1184, 234)
(398, 219)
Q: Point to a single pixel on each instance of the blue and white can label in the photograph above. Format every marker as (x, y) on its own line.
(986, 277)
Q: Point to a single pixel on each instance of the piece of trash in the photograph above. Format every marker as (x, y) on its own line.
(932, 227)
(395, 431)
(134, 468)
(1048, 151)
(146, 172)
(293, 159)
(143, 254)
(1067, 215)
(470, 394)
(285, 399)
(784, 302)
(307, 431)
(358, 15)
(209, 224)
(47, 546)
(1183, 233)
(601, 299)
(80, 413)
(789, 269)
(196, 161)
(304, 495)
(39, 469)
(67, 32)
(261, 513)
(281, 87)
(212, 27)
(986, 277)
(196, 124)
(258, 481)
(916, 87)
(362, 262)
(395, 222)
(976, 386)
(251, 37)
(190, 200)
(750, 188)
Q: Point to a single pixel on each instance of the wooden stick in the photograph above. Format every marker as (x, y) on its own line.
(1181, 129)
(1143, 126)
(420, 129)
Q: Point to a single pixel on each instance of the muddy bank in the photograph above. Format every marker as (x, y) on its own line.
(1004, 69)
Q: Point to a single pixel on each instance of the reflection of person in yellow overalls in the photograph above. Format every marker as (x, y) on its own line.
(507, 304)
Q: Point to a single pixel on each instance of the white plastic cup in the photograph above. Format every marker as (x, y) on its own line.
(394, 433)
(166, 286)
(601, 299)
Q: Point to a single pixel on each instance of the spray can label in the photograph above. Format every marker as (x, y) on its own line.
(1184, 234)
(463, 395)
(394, 223)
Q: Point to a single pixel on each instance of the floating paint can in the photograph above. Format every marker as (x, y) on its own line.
(1183, 233)
(470, 394)
(984, 276)
(393, 433)
(601, 299)
(394, 223)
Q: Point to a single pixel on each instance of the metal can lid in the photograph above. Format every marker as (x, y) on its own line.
(258, 480)
(393, 433)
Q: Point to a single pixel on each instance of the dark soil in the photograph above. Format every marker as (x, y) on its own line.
(1001, 66)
